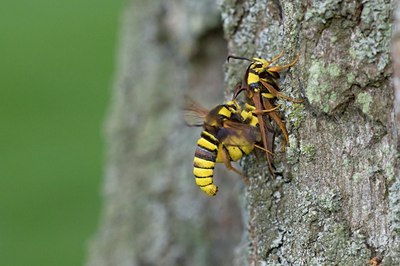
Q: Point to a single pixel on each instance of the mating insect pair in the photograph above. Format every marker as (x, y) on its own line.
(229, 132)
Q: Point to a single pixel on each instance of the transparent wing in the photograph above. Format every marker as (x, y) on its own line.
(238, 134)
(193, 113)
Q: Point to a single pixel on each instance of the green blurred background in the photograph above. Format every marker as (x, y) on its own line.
(56, 69)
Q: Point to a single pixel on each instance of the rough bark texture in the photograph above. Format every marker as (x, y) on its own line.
(336, 199)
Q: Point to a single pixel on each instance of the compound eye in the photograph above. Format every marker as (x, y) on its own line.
(258, 65)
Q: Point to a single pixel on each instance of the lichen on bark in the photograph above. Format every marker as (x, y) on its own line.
(332, 202)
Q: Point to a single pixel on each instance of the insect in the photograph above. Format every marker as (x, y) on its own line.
(228, 134)
(261, 85)
(375, 261)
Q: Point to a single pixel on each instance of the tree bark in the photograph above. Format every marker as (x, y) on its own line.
(335, 199)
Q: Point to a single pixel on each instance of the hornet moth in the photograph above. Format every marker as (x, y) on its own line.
(228, 134)
(260, 83)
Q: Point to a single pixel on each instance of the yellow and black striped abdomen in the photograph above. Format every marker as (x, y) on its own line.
(204, 161)
(234, 152)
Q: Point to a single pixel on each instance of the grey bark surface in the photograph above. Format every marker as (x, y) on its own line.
(336, 197)
(336, 201)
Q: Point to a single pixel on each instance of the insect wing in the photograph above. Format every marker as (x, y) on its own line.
(237, 134)
(193, 113)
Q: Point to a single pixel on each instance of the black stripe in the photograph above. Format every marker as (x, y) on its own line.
(227, 152)
(248, 120)
(255, 85)
(205, 185)
(242, 151)
(210, 176)
(202, 167)
(207, 149)
(254, 72)
(205, 154)
(273, 84)
(269, 75)
(208, 138)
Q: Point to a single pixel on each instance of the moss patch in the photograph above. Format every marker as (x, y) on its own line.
(323, 83)
(364, 101)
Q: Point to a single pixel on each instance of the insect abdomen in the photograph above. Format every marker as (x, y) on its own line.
(204, 161)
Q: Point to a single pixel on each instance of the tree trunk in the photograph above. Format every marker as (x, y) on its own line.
(153, 212)
(335, 199)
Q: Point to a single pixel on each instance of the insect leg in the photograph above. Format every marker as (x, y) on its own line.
(229, 166)
(256, 112)
(277, 119)
(259, 108)
(277, 57)
(261, 148)
(263, 129)
(278, 94)
(238, 89)
(280, 68)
